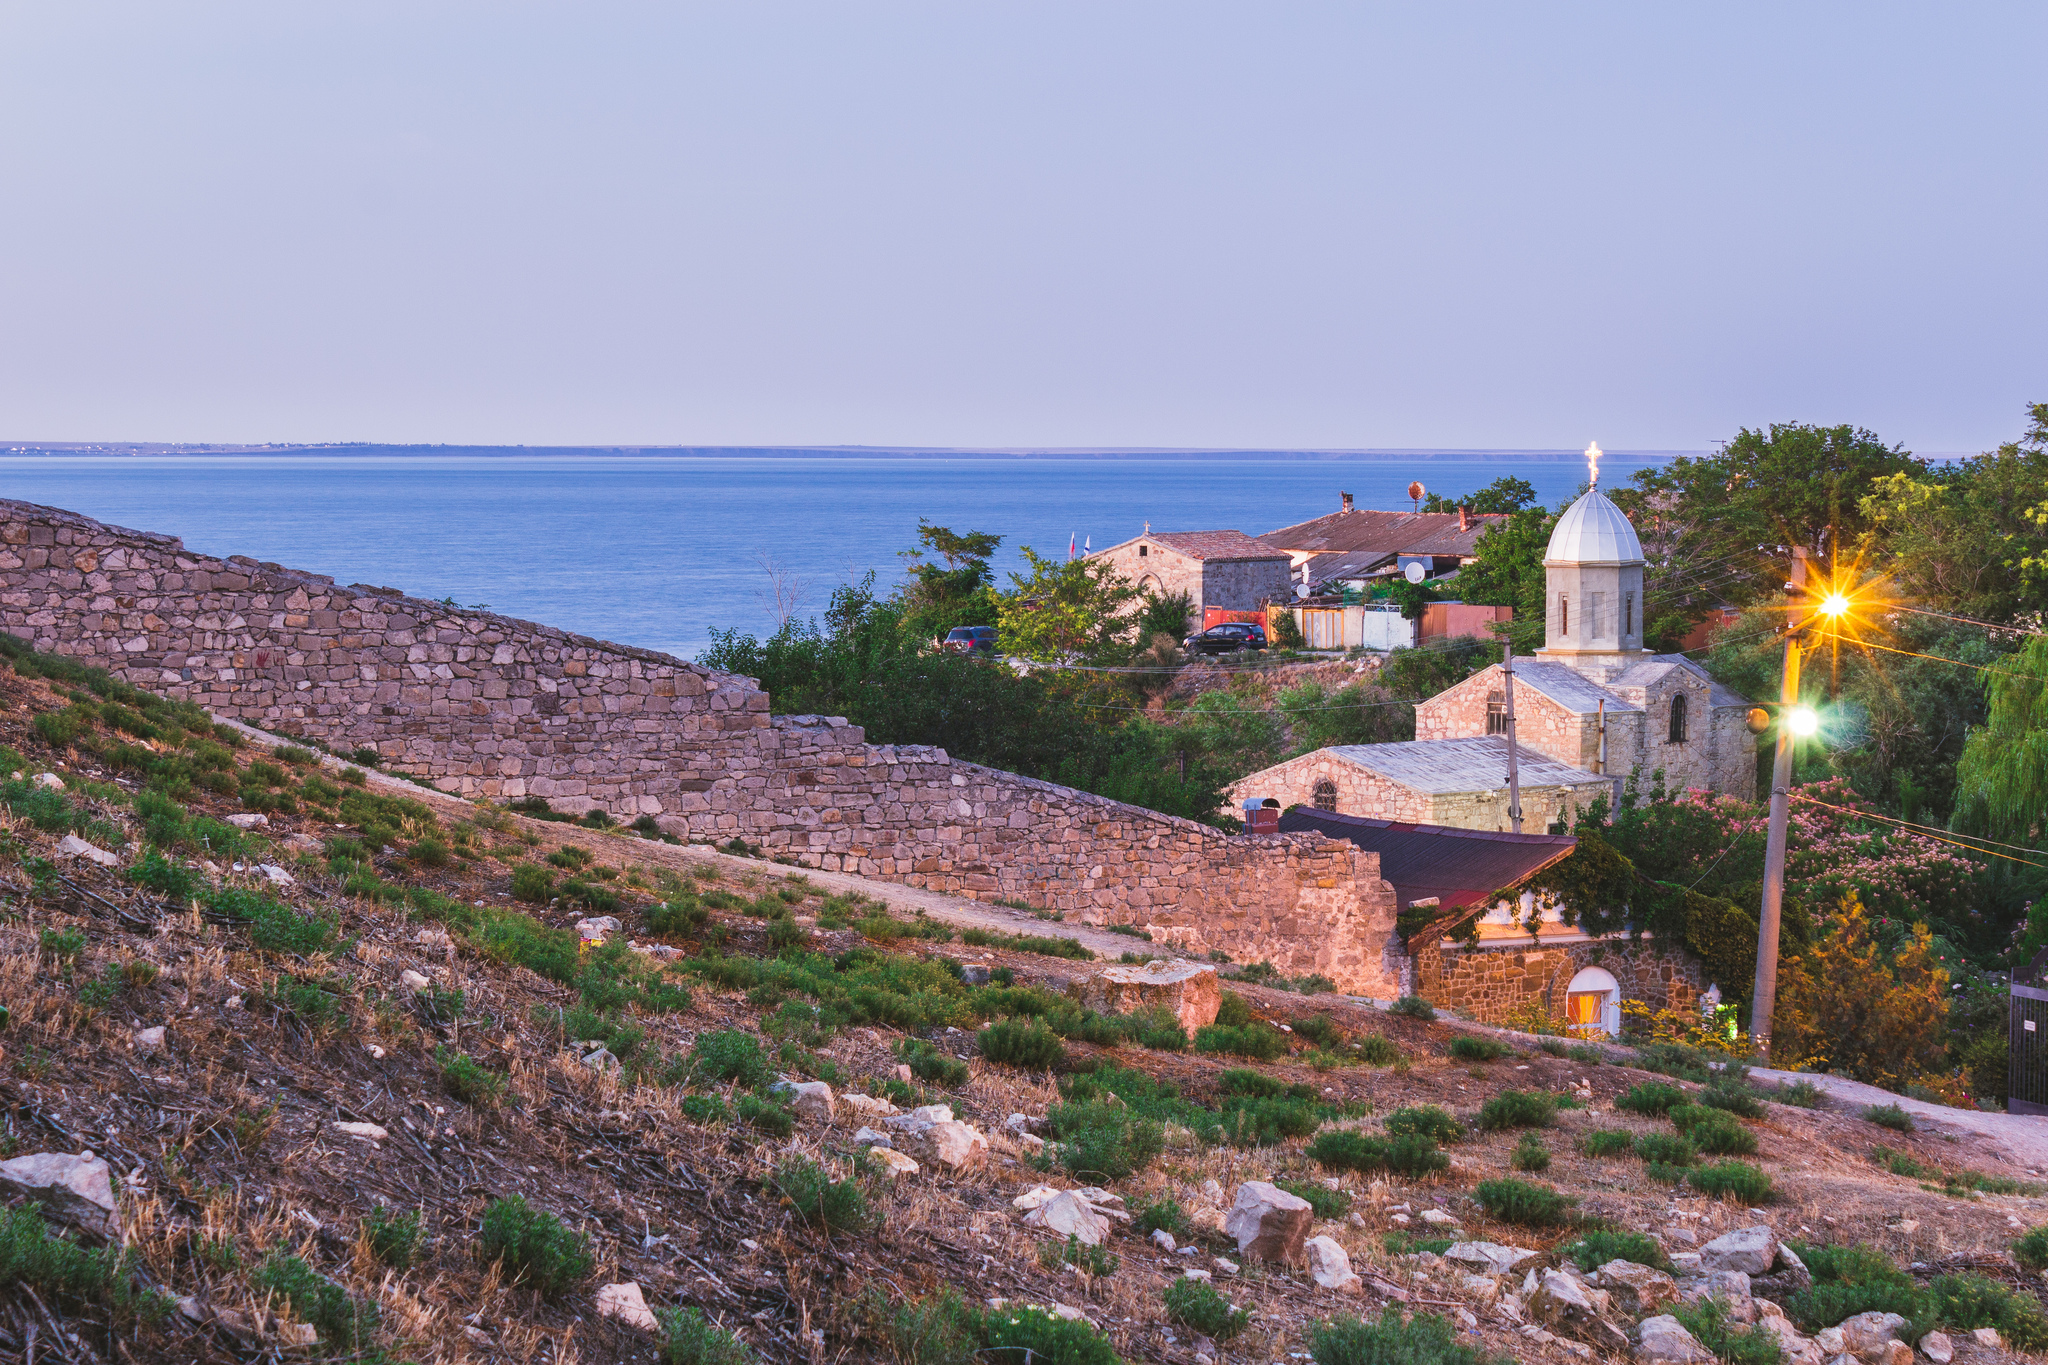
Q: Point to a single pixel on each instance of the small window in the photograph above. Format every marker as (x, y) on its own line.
(1326, 795)
(1564, 614)
(1628, 614)
(1678, 719)
(1496, 713)
(1144, 550)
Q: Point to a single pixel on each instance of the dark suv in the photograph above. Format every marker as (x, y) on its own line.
(970, 640)
(1228, 638)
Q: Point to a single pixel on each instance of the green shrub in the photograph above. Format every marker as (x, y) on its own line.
(1198, 1307)
(1652, 1099)
(1889, 1116)
(1587, 1054)
(1347, 1149)
(394, 1238)
(1518, 1109)
(729, 1055)
(771, 1116)
(1164, 1214)
(1326, 1202)
(67, 1273)
(1094, 1260)
(929, 1064)
(1805, 1094)
(1607, 1142)
(1428, 1120)
(1233, 1011)
(1736, 1099)
(1669, 1149)
(687, 1338)
(1524, 1204)
(532, 883)
(467, 1081)
(430, 853)
(1964, 1303)
(1674, 1059)
(1260, 1042)
(939, 1329)
(1727, 1137)
(1104, 1141)
(1376, 1049)
(1424, 1339)
(705, 1109)
(64, 945)
(1253, 1122)
(1413, 1007)
(1739, 1178)
(1469, 1049)
(1242, 1080)
(1027, 1332)
(683, 914)
(1530, 1154)
(1320, 1030)
(2031, 1250)
(826, 1204)
(1025, 1043)
(173, 881)
(1600, 1246)
(341, 1320)
(1730, 1342)
(534, 1247)
(1415, 1155)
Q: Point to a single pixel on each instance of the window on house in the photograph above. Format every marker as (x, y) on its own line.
(1564, 614)
(1496, 713)
(1628, 615)
(1144, 550)
(1326, 795)
(1678, 719)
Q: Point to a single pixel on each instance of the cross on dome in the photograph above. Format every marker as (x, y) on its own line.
(1593, 461)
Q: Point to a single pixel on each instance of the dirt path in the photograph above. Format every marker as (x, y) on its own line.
(2025, 1136)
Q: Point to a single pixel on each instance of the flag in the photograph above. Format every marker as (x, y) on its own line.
(1088, 545)
(1070, 544)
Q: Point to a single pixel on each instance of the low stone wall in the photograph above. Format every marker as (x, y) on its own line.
(1499, 984)
(495, 708)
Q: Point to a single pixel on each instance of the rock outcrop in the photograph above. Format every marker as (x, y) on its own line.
(1268, 1222)
(1189, 991)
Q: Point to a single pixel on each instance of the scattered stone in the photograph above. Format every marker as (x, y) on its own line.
(1021, 1123)
(954, 1145)
(1191, 1273)
(1162, 1239)
(1750, 1250)
(868, 1137)
(903, 1074)
(302, 843)
(894, 1161)
(371, 1131)
(1228, 1267)
(1484, 1288)
(1789, 1275)
(1665, 1340)
(1189, 991)
(1268, 1222)
(50, 780)
(1640, 1290)
(975, 973)
(1828, 1341)
(77, 1189)
(71, 846)
(276, 875)
(597, 926)
(1032, 1143)
(626, 1303)
(1988, 1336)
(813, 1099)
(1561, 1302)
(1035, 1197)
(1212, 1191)
(1491, 1258)
(1069, 1215)
(1904, 1226)
(1685, 1235)
(149, 1039)
(413, 981)
(868, 1104)
(434, 940)
(601, 1060)
(375, 1051)
(1330, 1265)
(1205, 1218)
(1868, 1335)
(1729, 1286)
(1438, 1218)
(249, 820)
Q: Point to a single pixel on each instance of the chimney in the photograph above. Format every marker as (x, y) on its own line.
(1347, 500)
(1464, 524)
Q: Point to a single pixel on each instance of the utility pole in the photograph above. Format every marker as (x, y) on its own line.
(1764, 999)
(1507, 671)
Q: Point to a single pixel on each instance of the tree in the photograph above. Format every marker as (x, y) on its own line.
(1068, 611)
(1846, 1005)
(1505, 494)
(1507, 571)
(2002, 778)
(957, 593)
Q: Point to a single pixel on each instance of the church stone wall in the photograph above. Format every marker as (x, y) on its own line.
(1507, 985)
(494, 708)
(1365, 793)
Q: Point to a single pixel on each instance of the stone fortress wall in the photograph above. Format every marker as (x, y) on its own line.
(498, 709)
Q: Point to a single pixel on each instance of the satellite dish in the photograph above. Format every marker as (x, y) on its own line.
(1414, 571)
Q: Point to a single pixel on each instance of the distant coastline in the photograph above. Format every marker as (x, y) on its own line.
(149, 448)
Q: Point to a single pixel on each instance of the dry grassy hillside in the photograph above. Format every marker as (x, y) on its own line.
(361, 1066)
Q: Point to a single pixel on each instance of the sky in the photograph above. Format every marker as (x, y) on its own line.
(1041, 224)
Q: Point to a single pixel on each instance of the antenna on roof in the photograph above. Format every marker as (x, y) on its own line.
(1593, 462)
(1415, 491)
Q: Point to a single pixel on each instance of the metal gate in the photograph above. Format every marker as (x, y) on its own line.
(2027, 1061)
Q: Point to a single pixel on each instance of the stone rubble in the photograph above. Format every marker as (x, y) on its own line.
(76, 1189)
(1268, 1222)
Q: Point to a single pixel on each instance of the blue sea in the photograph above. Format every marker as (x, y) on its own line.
(658, 550)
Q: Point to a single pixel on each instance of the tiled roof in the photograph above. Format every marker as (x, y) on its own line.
(1656, 666)
(1363, 528)
(1460, 765)
(1458, 866)
(1212, 544)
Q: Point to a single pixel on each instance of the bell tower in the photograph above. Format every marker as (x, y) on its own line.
(1593, 586)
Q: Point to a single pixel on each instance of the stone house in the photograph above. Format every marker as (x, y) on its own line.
(1218, 570)
(1461, 783)
(1353, 544)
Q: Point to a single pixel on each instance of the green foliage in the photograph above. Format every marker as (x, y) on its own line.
(62, 1271)
(1094, 1260)
(1667, 1149)
(1530, 1154)
(466, 1080)
(1259, 1041)
(1103, 1142)
(1735, 1098)
(1198, 1307)
(1428, 1120)
(171, 880)
(1414, 1007)
(1424, 1339)
(705, 1109)
(1746, 1182)
(1347, 1149)
(768, 1114)
(688, 1338)
(1964, 1303)
(1028, 1332)
(534, 1247)
(341, 1320)
(1889, 1116)
(2031, 1249)
(1376, 1049)
(63, 945)
(1415, 1155)
(929, 1064)
(1045, 945)
(1598, 1247)
(1720, 1135)
(1166, 1214)
(826, 1204)
(1466, 1048)
(394, 1237)
(1518, 1109)
(1021, 1043)
(1603, 1142)
(729, 1055)
(1730, 1342)
(682, 914)
(532, 883)
(1653, 1099)
(1523, 1203)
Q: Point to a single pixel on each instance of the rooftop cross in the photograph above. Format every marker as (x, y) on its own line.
(1593, 461)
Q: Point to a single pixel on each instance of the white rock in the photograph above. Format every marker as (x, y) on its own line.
(149, 1039)
(50, 780)
(1330, 1265)
(1069, 1215)
(597, 926)
(1035, 1197)
(626, 1303)
(954, 1145)
(276, 875)
(433, 940)
(1268, 1222)
(375, 1051)
(1212, 1191)
(1828, 1341)
(1226, 1266)
(868, 1137)
(1438, 1218)
(1750, 1250)
(249, 820)
(893, 1161)
(1641, 1289)
(868, 1104)
(1162, 1239)
(1491, 1258)
(1190, 991)
(413, 981)
(78, 1189)
(812, 1099)
(1988, 1337)
(1562, 1303)
(1191, 1273)
(1030, 1143)
(1020, 1123)
(1867, 1335)
(932, 1113)
(371, 1131)
(71, 846)
(1665, 1340)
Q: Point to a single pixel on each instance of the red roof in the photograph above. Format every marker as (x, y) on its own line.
(1214, 545)
(1458, 866)
(1362, 528)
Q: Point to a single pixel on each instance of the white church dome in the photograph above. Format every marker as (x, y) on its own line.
(1594, 531)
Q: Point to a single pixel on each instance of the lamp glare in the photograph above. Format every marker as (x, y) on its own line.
(1802, 721)
(1834, 604)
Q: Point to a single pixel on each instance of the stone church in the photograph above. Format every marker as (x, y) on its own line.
(1592, 708)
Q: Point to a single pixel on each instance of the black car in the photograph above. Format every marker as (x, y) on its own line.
(970, 640)
(1228, 638)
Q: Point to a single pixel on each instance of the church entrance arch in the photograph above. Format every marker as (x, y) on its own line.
(1593, 1002)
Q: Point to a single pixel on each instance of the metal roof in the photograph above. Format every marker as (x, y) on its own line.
(1363, 528)
(1478, 764)
(1593, 531)
(1458, 866)
(1205, 545)
(1566, 686)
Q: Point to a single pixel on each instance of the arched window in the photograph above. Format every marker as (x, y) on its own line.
(1326, 795)
(1593, 1003)
(1564, 614)
(1678, 719)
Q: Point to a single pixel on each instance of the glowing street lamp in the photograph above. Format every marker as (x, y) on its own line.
(1803, 722)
